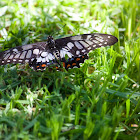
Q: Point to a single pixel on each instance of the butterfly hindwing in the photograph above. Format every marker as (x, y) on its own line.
(74, 62)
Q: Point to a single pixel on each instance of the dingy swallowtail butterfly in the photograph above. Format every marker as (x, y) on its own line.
(43, 54)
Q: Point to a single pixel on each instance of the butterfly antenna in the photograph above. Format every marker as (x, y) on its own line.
(56, 32)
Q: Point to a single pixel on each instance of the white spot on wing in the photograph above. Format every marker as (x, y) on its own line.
(69, 54)
(20, 60)
(77, 37)
(65, 49)
(44, 54)
(36, 51)
(98, 35)
(47, 59)
(78, 45)
(105, 42)
(22, 56)
(7, 56)
(89, 42)
(27, 47)
(44, 60)
(32, 59)
(17, 55)
(99, 39)
(84, 44)
(89, 48)
(63, 53)
(8, 61)
(94, 46)
(15, 50)
(109, 36)
(50, 56)
(39, 59)
(77, 52)
(26, 60)
(95, 41)
(11, 56)
(84, 50)
(70, 45)
(88, 37)
(29, 53)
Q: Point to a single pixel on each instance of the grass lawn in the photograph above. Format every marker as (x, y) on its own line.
(100, 100)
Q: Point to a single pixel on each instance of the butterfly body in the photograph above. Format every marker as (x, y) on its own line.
(71, 51)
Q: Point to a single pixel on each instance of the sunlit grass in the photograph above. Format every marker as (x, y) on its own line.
(98, 101)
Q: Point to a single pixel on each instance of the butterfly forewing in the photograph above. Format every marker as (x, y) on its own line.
(26, 54)
(70, 50)
(82, 44)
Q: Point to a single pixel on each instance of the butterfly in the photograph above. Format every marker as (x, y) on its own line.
(68, 52)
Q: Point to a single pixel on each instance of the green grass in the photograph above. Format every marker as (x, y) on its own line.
(100, 100)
